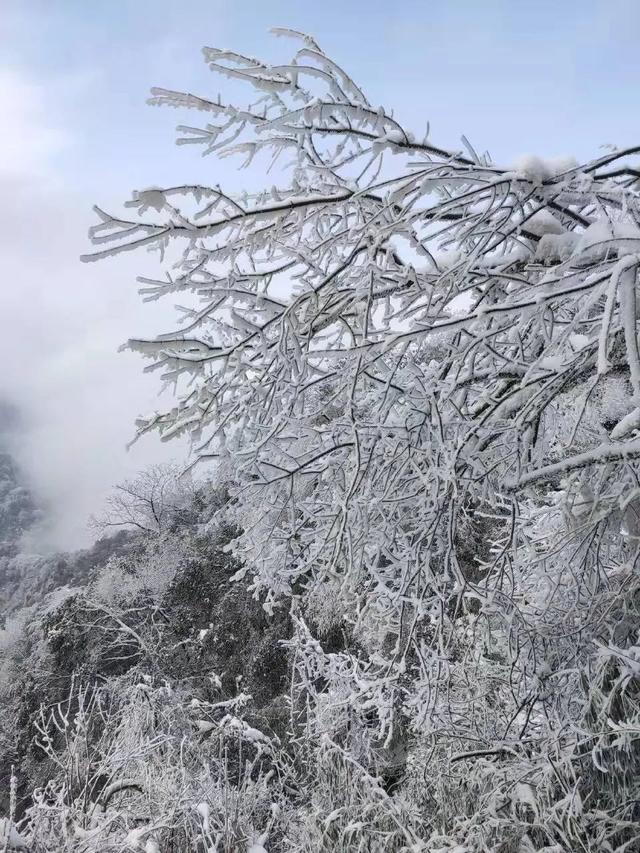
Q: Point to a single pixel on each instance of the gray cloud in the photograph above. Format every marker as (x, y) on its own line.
(62, 325)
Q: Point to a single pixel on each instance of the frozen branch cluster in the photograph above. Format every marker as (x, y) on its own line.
(421, 371)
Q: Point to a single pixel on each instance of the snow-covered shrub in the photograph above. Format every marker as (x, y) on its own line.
(142, 767)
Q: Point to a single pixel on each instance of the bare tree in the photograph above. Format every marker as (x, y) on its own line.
(150, 502)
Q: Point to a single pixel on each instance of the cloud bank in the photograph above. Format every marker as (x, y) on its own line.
(62, 325)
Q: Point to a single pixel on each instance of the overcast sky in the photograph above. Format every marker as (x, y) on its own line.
(549, 78)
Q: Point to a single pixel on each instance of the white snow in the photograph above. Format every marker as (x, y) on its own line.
(204, 811)
(133, 839)
(556, 246)
(248, 732)
(629, 423)
(537, 169)
(544, 222)
(257, 845)
(10, 836)
(151, 197)
(600, 235)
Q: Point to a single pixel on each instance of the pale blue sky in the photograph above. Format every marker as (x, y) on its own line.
(517, 77)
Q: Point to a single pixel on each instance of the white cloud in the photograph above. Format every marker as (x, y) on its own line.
(62, 325)
(27, 143)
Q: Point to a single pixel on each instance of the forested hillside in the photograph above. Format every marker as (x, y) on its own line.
(147, 674)
(18, 510)
(402, 610)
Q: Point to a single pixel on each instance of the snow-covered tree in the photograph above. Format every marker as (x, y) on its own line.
(421, 372)
(152, 501)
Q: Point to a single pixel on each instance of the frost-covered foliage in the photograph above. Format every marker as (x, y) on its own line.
(19, 513)
(18, 509)
(158, 499)
(145, 707)
(138, 769)
(420, 370)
